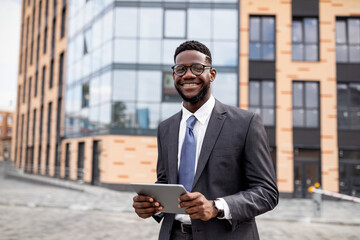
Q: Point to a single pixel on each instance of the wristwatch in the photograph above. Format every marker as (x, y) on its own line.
(220, 207)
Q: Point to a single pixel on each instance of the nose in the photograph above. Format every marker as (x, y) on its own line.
(188, 73)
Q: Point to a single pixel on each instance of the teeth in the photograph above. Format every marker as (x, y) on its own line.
(189, 84)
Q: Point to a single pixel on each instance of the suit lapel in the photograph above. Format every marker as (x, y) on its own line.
(173, 141)
(216, 122)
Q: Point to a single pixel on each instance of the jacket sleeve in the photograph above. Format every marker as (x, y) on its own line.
(262, 193)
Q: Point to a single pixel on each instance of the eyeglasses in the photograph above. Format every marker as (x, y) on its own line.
(196, 68)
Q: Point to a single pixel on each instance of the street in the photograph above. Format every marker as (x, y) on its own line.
(34, 211)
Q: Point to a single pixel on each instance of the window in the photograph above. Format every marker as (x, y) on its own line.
(63, 21)
(306, 104)
(87, 41)
(45, 40)
(9, 131)
(348, 105)
(85, 95)
(175, 23)
(262, 100)
(36, 83)
(1, 118)
(348, 40)
(9, 120)
(349, 171)
(262, 38)
(305, 39)
(51, 74)
(169, 91)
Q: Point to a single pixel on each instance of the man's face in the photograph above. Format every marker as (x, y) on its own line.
(192, 88)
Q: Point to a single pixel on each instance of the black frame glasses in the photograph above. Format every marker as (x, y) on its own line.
(196, 68)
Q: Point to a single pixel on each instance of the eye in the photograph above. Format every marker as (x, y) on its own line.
(180, 69)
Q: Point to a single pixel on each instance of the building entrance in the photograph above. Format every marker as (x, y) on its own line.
(306, 171)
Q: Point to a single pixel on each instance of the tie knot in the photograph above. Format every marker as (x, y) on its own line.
(191, 122)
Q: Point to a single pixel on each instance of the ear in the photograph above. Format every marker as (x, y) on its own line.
(212, 74)
(173, 76)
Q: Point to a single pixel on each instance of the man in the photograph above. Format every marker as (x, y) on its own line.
(229, 177)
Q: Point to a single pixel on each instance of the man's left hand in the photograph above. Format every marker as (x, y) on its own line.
(198, 207)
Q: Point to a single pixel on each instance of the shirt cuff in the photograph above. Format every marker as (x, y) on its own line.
(227, 214)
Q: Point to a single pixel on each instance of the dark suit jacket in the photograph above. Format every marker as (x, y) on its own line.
(234, 164)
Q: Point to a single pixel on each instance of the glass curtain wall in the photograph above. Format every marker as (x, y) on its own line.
(120, 53)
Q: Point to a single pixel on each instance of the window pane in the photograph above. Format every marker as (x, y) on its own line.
(254, 93)
(341, 53)
(225, 53)
(125, 51)
(123, 115)
(354, 95)
(126, 22)
(77, 98)
(354, 31)
(197, 19)
(149, 86)
(106, 54)
(151, 22)
(354, 53)
(268, 116)
(175, 23)
(297, 52)
(105, 90)
(311, 52)
(297, 33)
(255, 51)
(147, 115)
(97, 33)
(340, 31)
(105, 115)
(225, 88)
(268, 51)
(298, 117)
(311, 32)
(169, 109)
(94, 118)
(124, 85)
(311, 95)
(268, 93)
(149, 51)
(254, 29)
(268, 29)
(225, 24)
(343, 119)
(169, 45)
(95, 87)
(342, 95)
(108, 26)
(297, 94)
(312, 117)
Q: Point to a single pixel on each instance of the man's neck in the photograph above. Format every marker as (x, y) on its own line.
(193, 107)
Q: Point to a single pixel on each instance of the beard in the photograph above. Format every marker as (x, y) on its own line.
(196, 98)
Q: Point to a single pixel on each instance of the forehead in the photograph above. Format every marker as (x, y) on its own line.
(190, 57)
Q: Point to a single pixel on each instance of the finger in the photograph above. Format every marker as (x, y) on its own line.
(142, 205)
(150, 210)
(143, 198)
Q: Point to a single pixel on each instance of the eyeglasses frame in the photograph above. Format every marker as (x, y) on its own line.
(187, 67)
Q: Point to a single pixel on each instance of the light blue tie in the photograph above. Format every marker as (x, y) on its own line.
(187, 158)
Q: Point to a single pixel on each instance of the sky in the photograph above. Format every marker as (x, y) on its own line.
(10, 16)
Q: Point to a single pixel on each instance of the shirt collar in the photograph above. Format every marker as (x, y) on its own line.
(203, 113)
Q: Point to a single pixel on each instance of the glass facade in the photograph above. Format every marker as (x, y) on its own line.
(120, 53)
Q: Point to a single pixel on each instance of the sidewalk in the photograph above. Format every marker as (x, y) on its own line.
(87, 197)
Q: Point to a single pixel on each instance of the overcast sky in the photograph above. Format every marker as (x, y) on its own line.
(10, 14)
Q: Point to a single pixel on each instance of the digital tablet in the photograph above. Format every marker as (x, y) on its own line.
(166, 194)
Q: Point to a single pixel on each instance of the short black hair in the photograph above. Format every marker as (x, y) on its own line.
(193, 45)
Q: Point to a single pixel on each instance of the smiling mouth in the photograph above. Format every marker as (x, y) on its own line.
(189, 84)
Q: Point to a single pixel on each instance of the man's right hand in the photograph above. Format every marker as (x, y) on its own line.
(146, 206)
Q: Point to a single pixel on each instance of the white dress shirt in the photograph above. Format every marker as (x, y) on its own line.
(203, 116)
